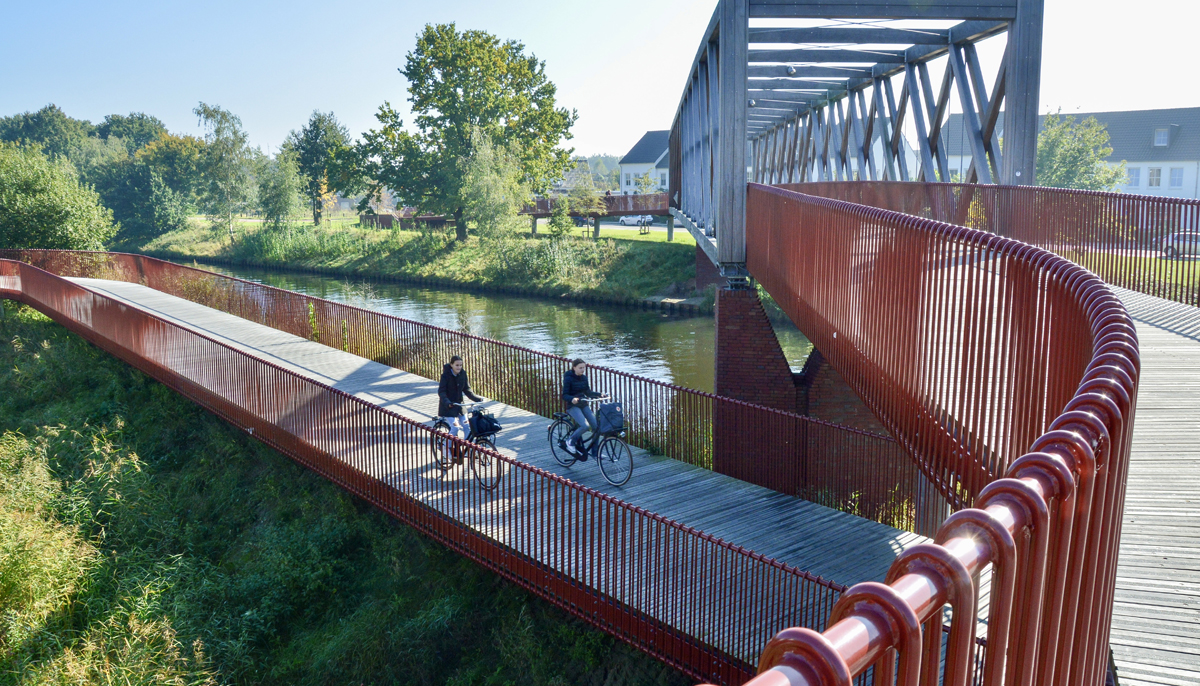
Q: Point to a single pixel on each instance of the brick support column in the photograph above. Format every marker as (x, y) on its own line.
(822, 393)
(706, 272)
(750, 367)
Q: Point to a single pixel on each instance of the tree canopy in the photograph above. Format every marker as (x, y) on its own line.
(49, 127)
(315, 147)
(1071, 154)
(228, 182)
(459, 81)
(137, 129)
(43, 205)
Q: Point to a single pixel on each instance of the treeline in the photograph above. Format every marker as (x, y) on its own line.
(477, 101)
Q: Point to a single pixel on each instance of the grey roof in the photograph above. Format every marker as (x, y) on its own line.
(649, 149)
(1131, 134)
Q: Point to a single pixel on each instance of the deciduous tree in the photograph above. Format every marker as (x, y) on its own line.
(49, 127)
(1071, 154)
(279, 188)
(458, 81)
(136, 130)
(492, 191)
(43, 205)
(228, 184)
(178, 160)
(315, 146)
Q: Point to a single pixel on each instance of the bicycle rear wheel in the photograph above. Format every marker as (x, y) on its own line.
(441, 444)
(488, 469)
(558, 432)
(616, 461)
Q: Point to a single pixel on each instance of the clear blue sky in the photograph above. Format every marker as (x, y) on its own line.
(620, 63)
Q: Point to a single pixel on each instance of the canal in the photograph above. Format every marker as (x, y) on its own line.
(672, 348)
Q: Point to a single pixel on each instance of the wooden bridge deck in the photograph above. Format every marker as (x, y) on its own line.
(1156, 618)
(799, 533)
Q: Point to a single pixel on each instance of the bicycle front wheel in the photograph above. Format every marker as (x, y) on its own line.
(488, 469)
(616, 461)
(558, 433)
(442, 446)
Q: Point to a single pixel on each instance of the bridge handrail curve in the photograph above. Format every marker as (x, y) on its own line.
(1046, 558)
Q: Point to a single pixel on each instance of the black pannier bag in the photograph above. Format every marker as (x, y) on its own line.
(483, 423)
(609, 418)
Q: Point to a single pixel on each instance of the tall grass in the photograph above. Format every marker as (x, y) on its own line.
(146, 541)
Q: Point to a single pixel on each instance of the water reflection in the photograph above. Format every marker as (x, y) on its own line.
(671, 348)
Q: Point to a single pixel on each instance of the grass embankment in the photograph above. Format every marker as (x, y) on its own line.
(629, 267)
(143, 541)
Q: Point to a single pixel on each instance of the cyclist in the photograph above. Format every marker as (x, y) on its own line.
(575, 393)
(451, 389)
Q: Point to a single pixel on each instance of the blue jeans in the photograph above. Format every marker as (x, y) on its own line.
(582, 414)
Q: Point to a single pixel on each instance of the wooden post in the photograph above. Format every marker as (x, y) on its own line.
(596, 231)
(533, 224)
(1023, 81)
(670, 227)
(731, 160)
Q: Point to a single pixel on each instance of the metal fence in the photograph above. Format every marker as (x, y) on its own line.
(1010, 374)
(696, 602)
(1143, 243)
(783, 451)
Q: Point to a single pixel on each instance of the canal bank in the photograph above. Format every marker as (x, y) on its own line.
(657, 344)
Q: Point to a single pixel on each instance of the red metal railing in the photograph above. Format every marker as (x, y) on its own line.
(1124, 239)
(986, 358)
(848, 469)
(696, 602)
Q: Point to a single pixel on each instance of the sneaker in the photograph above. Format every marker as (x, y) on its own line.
(568, 448)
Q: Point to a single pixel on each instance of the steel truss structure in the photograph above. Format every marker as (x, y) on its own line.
(786, 91)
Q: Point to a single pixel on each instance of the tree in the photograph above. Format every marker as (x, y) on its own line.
(141, 202)
(136, 130)
(43, 205)
(178, 160)
(1071, 155)
(228, 186)
(646, 183)
(316, 145)
(458, 81)
(279, 188)
(492, 192)
(49, 127)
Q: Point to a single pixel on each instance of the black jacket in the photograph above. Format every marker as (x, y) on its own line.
(451, 390)
(576, 387)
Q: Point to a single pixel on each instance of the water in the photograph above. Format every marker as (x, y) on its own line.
(671, 348)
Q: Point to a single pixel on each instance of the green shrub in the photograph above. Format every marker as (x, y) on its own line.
(43, 205)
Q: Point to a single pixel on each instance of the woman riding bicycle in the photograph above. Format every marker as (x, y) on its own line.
(575, 393)
(451, 389)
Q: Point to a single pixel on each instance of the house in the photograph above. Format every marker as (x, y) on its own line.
(1160, 148)
(648, 155)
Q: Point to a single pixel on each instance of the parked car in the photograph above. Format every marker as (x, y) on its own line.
(636, 220)
(580, 221)
(1181, 243)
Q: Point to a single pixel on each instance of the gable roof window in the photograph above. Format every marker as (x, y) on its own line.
(1161, 138)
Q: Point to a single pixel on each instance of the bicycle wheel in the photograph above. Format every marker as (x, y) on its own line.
(441, 445)
(487, 468)
(616, 461)
(560, 430)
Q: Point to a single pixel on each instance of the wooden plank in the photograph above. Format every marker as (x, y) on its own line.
(841, 34)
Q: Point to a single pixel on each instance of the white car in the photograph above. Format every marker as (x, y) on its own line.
(636, 220)
(1182, 243)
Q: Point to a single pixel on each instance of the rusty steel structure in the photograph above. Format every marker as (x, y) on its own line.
(601, 559)
(1131, 241)
(1010, 374)
(798, 91)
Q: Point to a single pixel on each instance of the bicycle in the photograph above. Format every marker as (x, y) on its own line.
(610, 450)
(447, 453)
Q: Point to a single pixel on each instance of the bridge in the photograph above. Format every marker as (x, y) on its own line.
(995, 516)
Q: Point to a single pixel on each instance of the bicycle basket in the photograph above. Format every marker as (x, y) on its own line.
(484, 423)
(610, 418)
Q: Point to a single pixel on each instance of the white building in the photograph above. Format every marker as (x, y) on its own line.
(1160, 148)
(648, 155)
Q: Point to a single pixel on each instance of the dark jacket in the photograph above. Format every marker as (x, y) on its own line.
(576, 387)
(451, 390)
